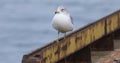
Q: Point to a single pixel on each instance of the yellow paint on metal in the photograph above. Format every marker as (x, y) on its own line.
(54, 54)
(90, 34)
(72, 44)
(112, 23)
(99, 30)
(46, 54)
(63, 48)
(79, 39)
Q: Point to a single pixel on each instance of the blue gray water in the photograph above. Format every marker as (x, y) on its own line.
(26, 24)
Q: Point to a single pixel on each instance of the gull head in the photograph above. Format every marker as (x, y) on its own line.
(61, 9)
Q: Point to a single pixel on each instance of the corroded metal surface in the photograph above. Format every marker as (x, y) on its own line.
(75, 41)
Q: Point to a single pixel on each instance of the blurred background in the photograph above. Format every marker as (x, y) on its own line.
(25, 25)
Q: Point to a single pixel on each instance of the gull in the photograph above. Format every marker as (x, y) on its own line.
(62, 21)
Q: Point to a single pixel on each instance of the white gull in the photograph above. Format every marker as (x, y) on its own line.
(62, 21)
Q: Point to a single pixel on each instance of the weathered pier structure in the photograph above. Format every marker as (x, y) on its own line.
(77, 47)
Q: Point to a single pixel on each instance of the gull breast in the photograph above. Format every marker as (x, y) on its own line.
(62, 23)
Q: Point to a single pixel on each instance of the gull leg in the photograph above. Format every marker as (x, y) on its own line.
(58, 37)
(64, 35)
(64, 38)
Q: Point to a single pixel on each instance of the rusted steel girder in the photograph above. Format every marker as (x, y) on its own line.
(75, 41)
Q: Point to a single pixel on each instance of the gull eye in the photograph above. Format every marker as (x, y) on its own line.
(62, 9)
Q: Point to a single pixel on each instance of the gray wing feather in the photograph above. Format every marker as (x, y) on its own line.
(71, 19)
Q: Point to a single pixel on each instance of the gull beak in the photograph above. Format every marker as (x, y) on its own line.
(56, 12)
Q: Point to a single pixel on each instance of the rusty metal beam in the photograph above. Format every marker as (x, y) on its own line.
(75, 41)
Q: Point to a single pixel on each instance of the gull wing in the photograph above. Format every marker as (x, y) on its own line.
(71, 19)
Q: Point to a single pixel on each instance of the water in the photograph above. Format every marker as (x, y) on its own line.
(25, 24)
